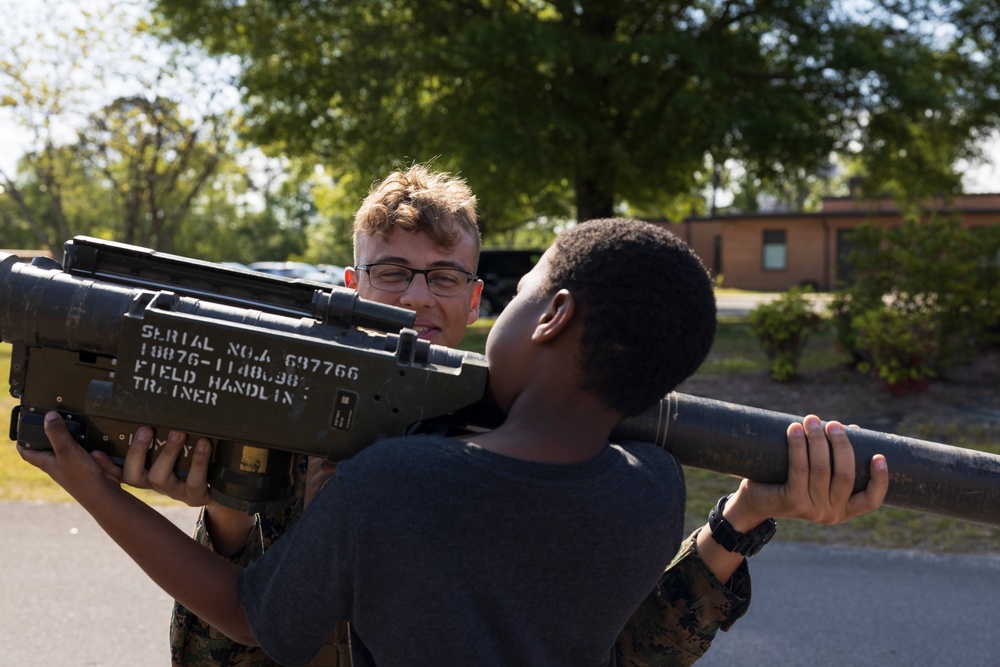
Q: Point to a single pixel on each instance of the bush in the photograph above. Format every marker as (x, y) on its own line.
(783, 327)
(900, 348)
(932, 282)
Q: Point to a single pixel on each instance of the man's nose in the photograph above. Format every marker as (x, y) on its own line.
(418, 292)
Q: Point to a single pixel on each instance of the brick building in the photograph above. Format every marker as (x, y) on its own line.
(775, 251)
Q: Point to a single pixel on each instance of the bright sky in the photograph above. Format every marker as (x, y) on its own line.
(84, 52)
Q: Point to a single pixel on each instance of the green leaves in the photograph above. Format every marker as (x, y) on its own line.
(544, 106)
(783, 326)
(925, 296)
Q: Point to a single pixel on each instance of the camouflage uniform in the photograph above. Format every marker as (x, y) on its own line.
(674, 626)
(677, 622)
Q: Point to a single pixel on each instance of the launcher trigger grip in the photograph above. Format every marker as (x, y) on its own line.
(27, 426)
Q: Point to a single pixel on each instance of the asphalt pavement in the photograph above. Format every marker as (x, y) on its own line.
(849, 607)
(72, 599)
(739, 304)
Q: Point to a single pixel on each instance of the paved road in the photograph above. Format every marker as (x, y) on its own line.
(72, 599)
(741, 303)
(840, 607)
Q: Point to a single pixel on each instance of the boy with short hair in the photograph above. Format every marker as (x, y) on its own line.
(529, 544)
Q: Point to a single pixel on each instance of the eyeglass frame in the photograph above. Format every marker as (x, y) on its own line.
(469, 277)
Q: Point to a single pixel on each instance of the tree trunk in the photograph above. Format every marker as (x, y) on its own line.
(595, 197)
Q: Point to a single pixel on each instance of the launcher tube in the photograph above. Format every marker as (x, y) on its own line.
(749, 442)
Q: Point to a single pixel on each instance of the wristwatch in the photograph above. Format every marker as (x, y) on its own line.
(745, 544)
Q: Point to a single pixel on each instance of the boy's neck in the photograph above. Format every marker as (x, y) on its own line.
(559, 434)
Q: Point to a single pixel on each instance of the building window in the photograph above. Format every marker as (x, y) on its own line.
(845, 246)
(775, 256)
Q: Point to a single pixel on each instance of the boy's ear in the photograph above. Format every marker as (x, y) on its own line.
(557, 316)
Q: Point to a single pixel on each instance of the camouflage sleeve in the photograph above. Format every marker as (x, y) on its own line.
(194, 643)
(678, 620)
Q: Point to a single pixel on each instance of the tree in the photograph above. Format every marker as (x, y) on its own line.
(141, 159)
(924, 298)
(154, 161)
(547, 107)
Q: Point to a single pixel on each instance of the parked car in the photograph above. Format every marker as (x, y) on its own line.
(298, 270)
(236, 265)
(335, 272)
(500, 270)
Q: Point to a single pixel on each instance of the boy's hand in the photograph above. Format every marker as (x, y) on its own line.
(228, 528)
(820, 488)
(192, 490)
(820, 484)
(83, 474)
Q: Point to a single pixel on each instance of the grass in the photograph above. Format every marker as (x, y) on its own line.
(735, 351)
(475, 335)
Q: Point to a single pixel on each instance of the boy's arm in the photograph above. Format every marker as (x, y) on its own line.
(820, 488)
(706, 588)
(200, 579)
(233, 534)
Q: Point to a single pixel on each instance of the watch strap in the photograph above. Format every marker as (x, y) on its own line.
(730, 539)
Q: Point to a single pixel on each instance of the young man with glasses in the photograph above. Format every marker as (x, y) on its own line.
(416, 246)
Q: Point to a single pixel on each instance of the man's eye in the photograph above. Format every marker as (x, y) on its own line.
(445, 278)
(392, 275)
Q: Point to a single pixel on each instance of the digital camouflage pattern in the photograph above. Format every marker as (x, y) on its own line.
(194, 643)
(676, 623)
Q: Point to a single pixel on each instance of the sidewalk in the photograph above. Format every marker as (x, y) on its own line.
(72, 598)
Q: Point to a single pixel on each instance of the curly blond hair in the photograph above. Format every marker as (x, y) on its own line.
(418, 199)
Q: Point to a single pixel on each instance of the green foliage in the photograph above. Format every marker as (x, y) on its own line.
(602, 105)
(535, 235)
(58, 196)
(154, 161)
(783, 326)
(118, 143)
(924, 297)
(330, 235)
(900, 345)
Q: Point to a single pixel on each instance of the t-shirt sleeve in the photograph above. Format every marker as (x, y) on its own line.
(301, 587)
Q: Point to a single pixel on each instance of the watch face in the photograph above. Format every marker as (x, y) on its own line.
(760, 536)
(766, 531)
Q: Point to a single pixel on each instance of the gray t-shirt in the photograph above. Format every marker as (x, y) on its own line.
(442, 553)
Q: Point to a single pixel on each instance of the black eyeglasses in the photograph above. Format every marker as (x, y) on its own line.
(396, 278)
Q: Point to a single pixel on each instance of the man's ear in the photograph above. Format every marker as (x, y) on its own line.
(557, 316)
(350, 278)
(477, 295)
